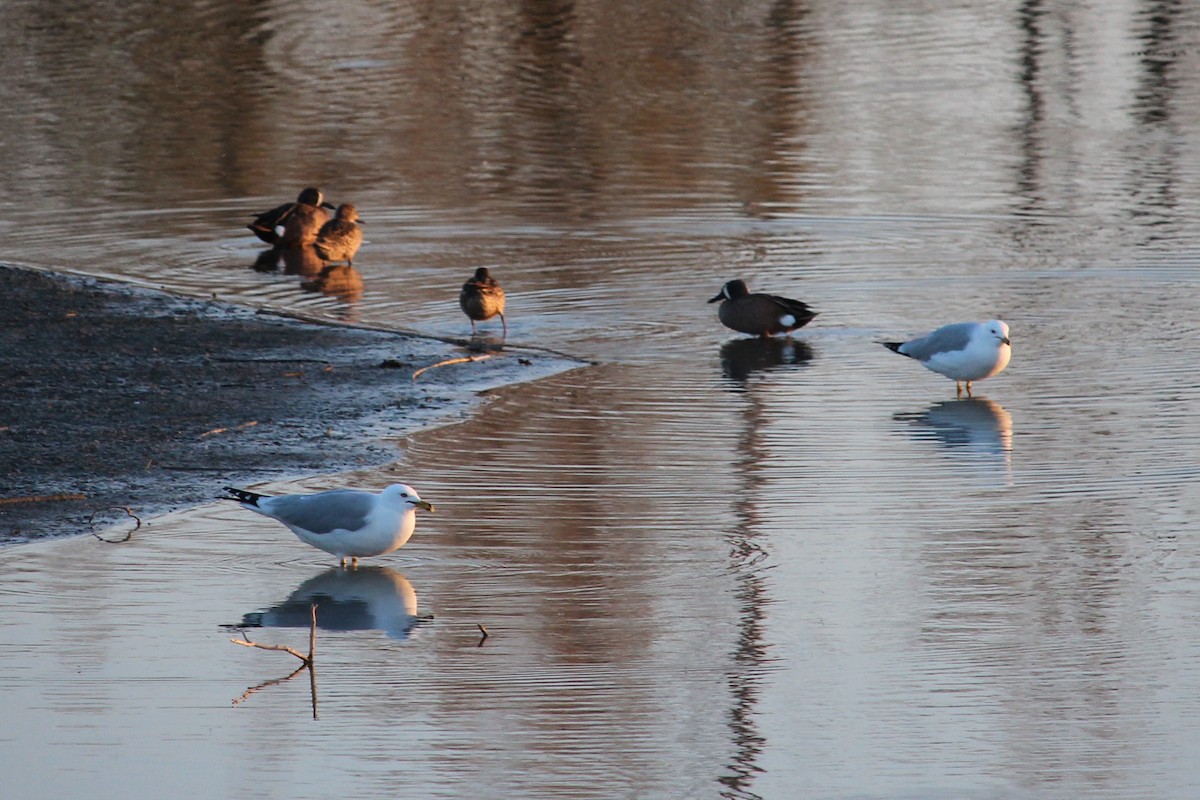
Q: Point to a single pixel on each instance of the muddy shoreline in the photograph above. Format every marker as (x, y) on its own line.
(116, 396)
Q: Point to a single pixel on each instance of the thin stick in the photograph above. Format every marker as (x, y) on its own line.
(282, 648)
(312, 667)
(128, 534)
(449, 361)
(272, 682)
(305, 661)
(312, 632)
(41, 498)
(241, 427)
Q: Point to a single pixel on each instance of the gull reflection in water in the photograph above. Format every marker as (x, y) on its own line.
(972, 425)
(365, 599)
(740, 358)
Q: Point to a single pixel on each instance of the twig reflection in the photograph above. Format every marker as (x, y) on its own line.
(306, 662)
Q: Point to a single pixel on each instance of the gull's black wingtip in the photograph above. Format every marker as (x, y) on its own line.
(241, 496)
(893, 346)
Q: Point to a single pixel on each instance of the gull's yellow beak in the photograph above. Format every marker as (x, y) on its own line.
(423, 504)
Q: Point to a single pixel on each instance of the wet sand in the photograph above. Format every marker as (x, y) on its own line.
(121, 397)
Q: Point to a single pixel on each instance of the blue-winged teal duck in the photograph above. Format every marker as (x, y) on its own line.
(340, 238)
(759, 314)
(482, 298)
(962, 351)
(266, 223)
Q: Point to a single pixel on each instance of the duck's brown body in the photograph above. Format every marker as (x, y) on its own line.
(339, 238)
(482, 298)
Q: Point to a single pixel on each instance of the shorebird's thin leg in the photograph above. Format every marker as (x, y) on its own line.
(504, 325)
(957, 389)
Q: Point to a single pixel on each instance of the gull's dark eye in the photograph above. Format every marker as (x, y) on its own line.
(404, 494)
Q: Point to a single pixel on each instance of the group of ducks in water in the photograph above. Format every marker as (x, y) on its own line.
(350, 524)
(303, 228)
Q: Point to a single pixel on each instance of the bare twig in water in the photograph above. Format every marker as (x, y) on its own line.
(128, 534)
(449, 361)
(306, 662)
(241, 427)
(40, 498)
(282, 648)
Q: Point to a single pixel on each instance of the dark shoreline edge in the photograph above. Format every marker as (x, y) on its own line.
(114, 395)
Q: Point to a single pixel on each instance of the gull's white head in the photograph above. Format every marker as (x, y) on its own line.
(997, 330)
(406, 496)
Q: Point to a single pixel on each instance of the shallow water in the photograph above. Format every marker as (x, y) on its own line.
(709, 566)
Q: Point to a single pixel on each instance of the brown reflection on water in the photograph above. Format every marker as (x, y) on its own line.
(749, 556)
(606, 536)
(944, 616)
(574, 110)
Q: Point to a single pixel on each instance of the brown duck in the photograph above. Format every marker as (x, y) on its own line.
(482, 298)
(340, 238)
(759, 314)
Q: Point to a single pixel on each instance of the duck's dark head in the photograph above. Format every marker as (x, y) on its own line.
(732, 291)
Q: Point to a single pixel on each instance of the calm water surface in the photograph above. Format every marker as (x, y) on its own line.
(710, 566)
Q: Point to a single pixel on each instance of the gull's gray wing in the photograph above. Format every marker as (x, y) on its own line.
(945, 339)
(325, 511)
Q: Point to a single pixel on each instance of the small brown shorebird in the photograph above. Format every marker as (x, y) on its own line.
(340, 238)
(482, 298)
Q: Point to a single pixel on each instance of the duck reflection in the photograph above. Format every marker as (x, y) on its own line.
(365, 599)
(337, 280)
(740, 358)
(973, 424)
(302, 261)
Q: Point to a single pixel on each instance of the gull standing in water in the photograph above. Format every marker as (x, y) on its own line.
(962, 351)
(345, 522)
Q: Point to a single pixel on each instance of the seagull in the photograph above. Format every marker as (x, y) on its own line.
(482, 298)
(759, 314)
(962, 351)
(345, 522)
